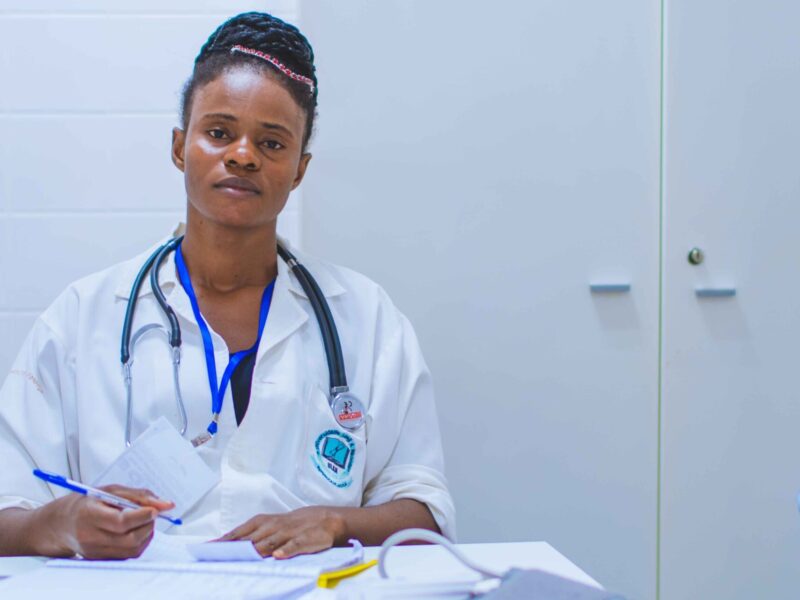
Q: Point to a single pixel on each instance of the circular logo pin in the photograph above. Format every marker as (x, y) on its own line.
(348, 411)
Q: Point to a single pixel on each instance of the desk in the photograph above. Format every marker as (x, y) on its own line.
(14, 565)
(434, 562)
(425, 563)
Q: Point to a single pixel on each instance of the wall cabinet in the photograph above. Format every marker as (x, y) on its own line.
(489, 165)
(730, 404)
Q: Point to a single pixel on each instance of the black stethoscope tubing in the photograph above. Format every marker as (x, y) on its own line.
(330, 335)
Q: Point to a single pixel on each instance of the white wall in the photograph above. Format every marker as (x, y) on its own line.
(89, 96)
(485, 164)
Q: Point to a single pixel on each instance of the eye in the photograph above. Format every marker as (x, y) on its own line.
(217, 134)
(273, 145)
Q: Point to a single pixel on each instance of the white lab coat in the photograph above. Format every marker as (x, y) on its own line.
(63, 405)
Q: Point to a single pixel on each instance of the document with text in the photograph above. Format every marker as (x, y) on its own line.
(163, 461)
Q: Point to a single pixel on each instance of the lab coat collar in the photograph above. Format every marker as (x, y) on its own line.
(286, 313)
(168, 276)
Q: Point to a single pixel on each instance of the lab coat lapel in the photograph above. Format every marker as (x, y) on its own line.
(176, 296)
(286, 315)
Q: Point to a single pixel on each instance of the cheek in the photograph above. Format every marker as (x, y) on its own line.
(281, 174)
(202, 153)
(199, 164)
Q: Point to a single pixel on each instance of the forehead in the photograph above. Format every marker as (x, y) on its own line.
(249, 94)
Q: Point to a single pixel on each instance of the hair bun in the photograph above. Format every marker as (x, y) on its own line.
(263, 32)
(258, 34)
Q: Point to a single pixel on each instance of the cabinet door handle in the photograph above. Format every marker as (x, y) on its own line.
(609, 288)
(715, 292)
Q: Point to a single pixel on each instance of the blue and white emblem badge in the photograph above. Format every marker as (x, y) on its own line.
(333, 457)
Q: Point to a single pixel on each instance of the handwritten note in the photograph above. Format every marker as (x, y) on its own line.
(166, 463)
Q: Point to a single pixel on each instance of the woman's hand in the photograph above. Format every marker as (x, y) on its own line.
(78, 524)
(301, 531)
(316, 528)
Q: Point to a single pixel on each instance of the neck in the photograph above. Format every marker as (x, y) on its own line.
(225, 259)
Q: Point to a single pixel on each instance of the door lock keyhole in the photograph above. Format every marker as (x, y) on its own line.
(696, 256)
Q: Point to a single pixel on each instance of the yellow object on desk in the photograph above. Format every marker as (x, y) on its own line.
(331, 579)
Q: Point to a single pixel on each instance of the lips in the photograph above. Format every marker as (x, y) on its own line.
(238, 186)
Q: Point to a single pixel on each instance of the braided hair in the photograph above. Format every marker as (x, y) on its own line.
(263, 42)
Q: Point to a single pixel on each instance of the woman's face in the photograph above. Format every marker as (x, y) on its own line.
(241, 152)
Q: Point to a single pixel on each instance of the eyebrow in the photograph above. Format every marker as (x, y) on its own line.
(265, 124)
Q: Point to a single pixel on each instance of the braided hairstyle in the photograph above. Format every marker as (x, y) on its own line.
(256, 35)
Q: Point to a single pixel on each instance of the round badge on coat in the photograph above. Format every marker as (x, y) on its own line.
(348, 411)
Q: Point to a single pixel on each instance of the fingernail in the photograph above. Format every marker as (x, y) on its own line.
(278, 553)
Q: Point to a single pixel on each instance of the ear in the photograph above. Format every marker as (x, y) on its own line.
(178, 147)
(301, 169)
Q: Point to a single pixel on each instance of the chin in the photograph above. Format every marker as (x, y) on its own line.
(242, 221)
(236, 215)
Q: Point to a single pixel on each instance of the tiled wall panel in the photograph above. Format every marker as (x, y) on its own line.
(42, 254)
(98, 63)
(89, 163)
(275, 7)
(90, 92)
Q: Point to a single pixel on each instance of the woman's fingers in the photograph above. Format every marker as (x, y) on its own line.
(130, 544)
(265, 545)
(117, 535)
(115, 521)
(242, 531)
(297, 532)
(118, 547)
(303, 543)
(140, 496)
(137, 539)
(89, 527)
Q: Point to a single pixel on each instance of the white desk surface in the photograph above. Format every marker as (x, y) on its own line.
(423, 562)
(427, 563)
(14, 565)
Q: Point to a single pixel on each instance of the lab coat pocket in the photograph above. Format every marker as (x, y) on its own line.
(332, 458)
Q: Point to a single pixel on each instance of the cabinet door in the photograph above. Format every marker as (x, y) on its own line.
(486, 163)
(731, 406)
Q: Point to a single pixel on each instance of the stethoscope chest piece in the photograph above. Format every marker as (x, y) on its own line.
(348, 410)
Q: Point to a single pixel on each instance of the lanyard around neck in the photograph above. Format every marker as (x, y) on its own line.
(218, 389)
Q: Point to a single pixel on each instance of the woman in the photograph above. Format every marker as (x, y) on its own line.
(247, 116)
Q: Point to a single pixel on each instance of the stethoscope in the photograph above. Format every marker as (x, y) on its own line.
(347, 408)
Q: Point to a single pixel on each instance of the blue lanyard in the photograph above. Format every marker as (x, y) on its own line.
(218, 390)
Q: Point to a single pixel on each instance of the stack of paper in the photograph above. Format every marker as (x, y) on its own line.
(171, 570)
(129, 584)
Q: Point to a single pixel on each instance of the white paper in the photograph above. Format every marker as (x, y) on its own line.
(224, 551)
(134, 584)
(166, 554)
(396, 589)
(165, 463)
(170, 548)
(321, 562)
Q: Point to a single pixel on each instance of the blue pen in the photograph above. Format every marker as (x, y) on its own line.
(80, 488)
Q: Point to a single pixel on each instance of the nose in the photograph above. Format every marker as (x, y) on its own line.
(242, 155)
